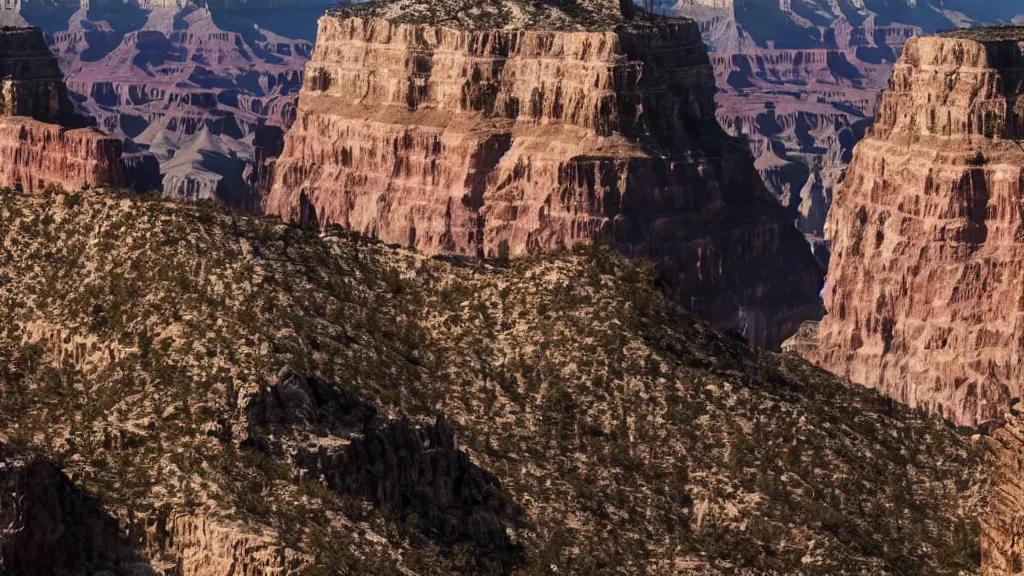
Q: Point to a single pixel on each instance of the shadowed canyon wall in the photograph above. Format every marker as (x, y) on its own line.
(35, 143)
(502, 143)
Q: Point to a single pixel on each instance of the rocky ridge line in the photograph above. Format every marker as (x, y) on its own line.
(578, 395)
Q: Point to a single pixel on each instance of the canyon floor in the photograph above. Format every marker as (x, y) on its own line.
(236, 392)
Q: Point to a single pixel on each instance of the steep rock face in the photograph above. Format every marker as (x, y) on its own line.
(36, 154)
(923, 296)
(210, 547)
(801, 80)
(504, 142)
(1002, 534)
(36, 148)
(31, 83)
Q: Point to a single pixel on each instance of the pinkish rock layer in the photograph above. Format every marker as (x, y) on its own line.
(500, 143)
(36, 149)
(36, 154)
(926, 302)
(801, 80)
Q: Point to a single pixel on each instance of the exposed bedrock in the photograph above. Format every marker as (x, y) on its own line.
(924, 295)
(190, 90)
(36, 154)
(41, 139)
(500, 143)
(31, 83)
(817, 67)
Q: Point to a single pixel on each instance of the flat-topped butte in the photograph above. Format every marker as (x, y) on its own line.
(564, 15)
(990, 34)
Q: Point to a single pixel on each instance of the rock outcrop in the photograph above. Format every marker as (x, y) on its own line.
(36, 154)
(40, 143)
(31, 83)
(802, 80)
(1002, 526)
(924, 293)
(428, 126)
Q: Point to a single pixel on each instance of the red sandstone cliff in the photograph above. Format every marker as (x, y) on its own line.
(502, 142)
(926, 293)
(801, 80)
(36, 147)
(1002, 526)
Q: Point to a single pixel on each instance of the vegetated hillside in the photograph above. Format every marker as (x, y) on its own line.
(321, 404)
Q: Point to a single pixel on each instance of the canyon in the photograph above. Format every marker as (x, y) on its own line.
(592, 128)
(802, 81)
(924, 300)
(42, 141)
(188, 86)
(189, 390)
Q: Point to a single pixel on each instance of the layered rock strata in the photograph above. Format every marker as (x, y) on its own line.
(924, 295)
(37, 148)
(35, 154)
(503, 142)
(802, 80)
(31, 83)
(188, 84)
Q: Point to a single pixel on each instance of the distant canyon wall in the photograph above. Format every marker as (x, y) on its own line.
(502, 143)
(187, 85)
